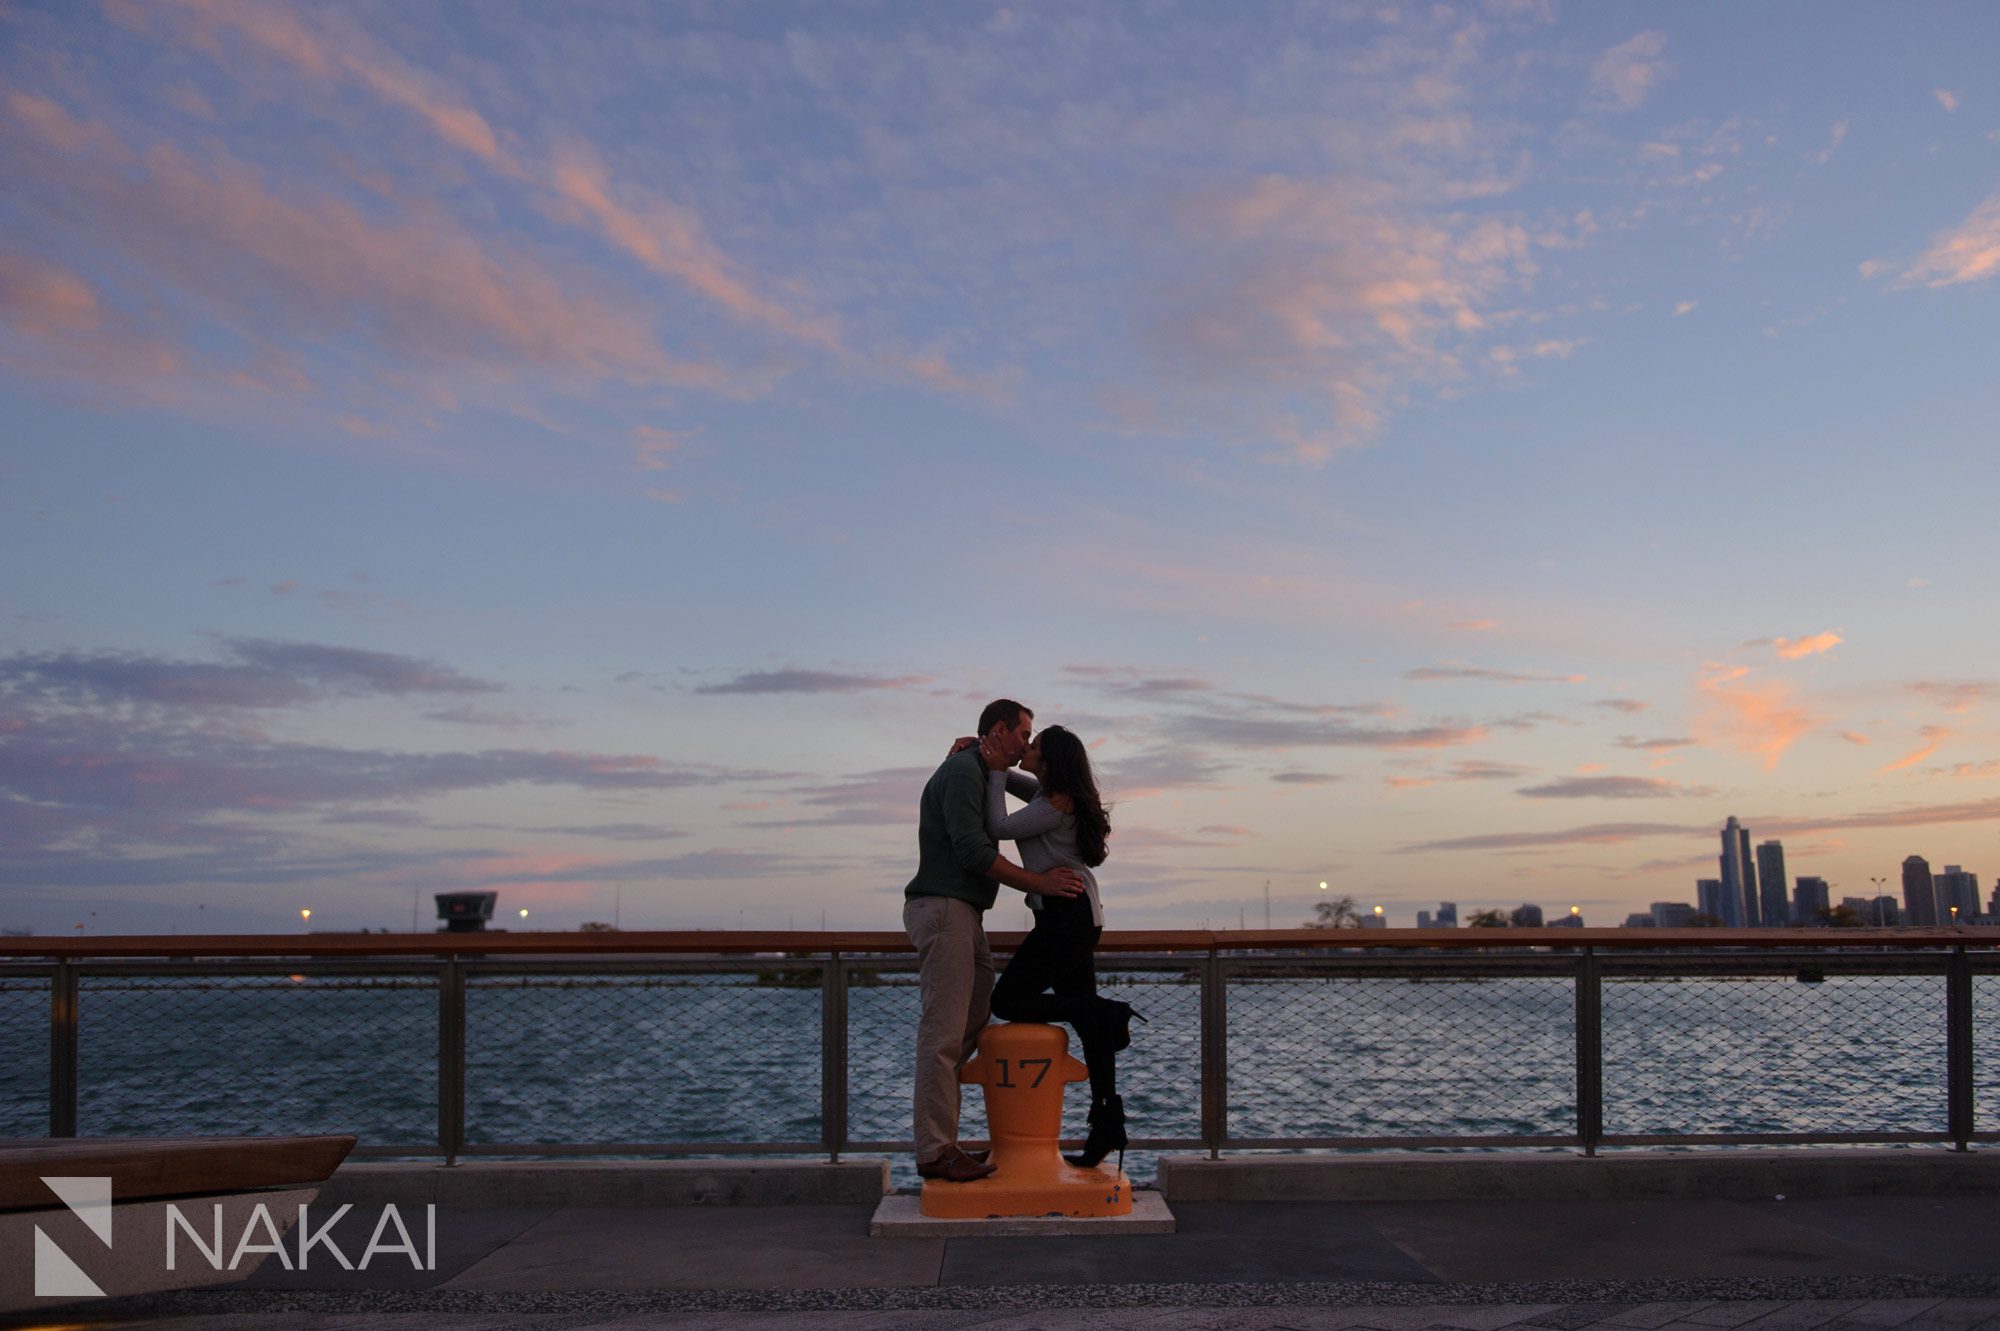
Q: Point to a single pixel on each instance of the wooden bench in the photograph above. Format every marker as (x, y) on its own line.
(38, 1229)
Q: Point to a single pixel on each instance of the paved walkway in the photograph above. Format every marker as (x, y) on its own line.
(1869, 1262)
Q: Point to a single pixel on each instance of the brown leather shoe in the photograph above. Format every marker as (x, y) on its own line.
(954, 1166)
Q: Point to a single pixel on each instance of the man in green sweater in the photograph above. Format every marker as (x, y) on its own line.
(959, 870)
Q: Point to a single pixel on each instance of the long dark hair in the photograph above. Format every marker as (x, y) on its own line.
(1066, 771)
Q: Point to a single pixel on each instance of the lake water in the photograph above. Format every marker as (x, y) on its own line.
(691, 1059)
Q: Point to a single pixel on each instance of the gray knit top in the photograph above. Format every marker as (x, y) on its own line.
(1045, 834)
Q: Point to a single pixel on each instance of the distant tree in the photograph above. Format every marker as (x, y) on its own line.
(1335, 913)
(1487, 919)
(1704, 921)
(1841, 917)
(596, 927)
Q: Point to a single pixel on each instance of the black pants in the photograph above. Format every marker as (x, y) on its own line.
(1053, 978)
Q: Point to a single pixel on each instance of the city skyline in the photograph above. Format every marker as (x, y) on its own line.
(1459, 453)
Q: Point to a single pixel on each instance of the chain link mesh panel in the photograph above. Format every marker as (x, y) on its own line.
(882, 1009)
(240, 1054)
(1735, 1054)
(724, 1057)
(1358, 1056)
(24, 1055)
(1159, 1077)
(1986, 1052)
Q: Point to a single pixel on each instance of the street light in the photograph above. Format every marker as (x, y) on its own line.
(305, 917)
(1322, 887)
(524, 912)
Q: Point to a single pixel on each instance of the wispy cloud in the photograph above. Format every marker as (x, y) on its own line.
(1131, 682)
(1653, 745)
(1791, 649)
(1306, 778)
(1946, 98)
(1623, 76)
(1969, 252)
(1609, 788)
(811, 681)
(1242, 730)
(1595, 834)
(1933, 736)
(1957, 697)
(265, 673)
(1629, 706)
(1835, 137)
(1759, 719)
(1481, 672)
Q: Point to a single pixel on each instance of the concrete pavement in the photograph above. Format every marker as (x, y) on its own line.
(1930, 1261)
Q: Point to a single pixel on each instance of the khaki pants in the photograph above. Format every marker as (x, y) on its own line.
(955, 975)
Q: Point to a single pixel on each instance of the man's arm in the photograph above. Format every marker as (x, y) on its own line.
(965, 826)
(1034, 820)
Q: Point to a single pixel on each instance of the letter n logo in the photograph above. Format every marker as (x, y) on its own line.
(56, 1276)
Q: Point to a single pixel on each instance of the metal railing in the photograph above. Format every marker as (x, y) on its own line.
(706, 1044)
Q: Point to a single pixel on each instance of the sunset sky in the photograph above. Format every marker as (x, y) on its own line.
(609, 450)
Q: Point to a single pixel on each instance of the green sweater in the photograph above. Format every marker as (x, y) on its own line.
(953, 849)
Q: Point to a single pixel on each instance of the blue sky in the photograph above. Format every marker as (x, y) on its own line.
(1456, 452)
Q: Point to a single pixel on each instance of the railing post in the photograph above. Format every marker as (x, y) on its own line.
(1589, 1052)
(451, 1059)
(1958, 1048)
(1214, 1055)
(62, 1049)
(833, 1057)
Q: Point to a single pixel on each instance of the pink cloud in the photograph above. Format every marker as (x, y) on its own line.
(669, 241)
(45, 300)
(284, 33)
(306, 268)
(1933, 735)
(1342, 292)
(1791, 649)
(1956, 698)
(1969, 252)
(1622, 77)
(1758, 719)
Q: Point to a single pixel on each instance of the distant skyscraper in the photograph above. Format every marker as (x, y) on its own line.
(1447, 916)
(1993, 906)
(1752, 906)
(1771, 903)
(1739, 892)
(1424, 920)
(1709, 898)
(1526, 916)
(1673, 914)
(1638, 920)
(1956, 887)
(1809, 900)
(1919, 897)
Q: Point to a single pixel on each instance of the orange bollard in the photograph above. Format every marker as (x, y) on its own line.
(1024, 1066)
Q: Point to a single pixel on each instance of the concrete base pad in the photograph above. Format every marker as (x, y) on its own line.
(1559, 1176)
(898, 1218)
(647, 1183)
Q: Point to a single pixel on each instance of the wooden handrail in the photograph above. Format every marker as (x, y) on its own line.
(734, 942)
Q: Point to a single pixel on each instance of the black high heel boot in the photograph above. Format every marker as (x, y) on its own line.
(1119, 1018)
(1107, 1134)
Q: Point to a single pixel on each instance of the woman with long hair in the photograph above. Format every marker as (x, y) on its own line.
(1052, 976)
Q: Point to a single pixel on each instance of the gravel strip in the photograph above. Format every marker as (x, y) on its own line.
(992, 1298)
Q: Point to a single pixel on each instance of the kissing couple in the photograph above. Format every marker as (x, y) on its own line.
(1060, 837)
